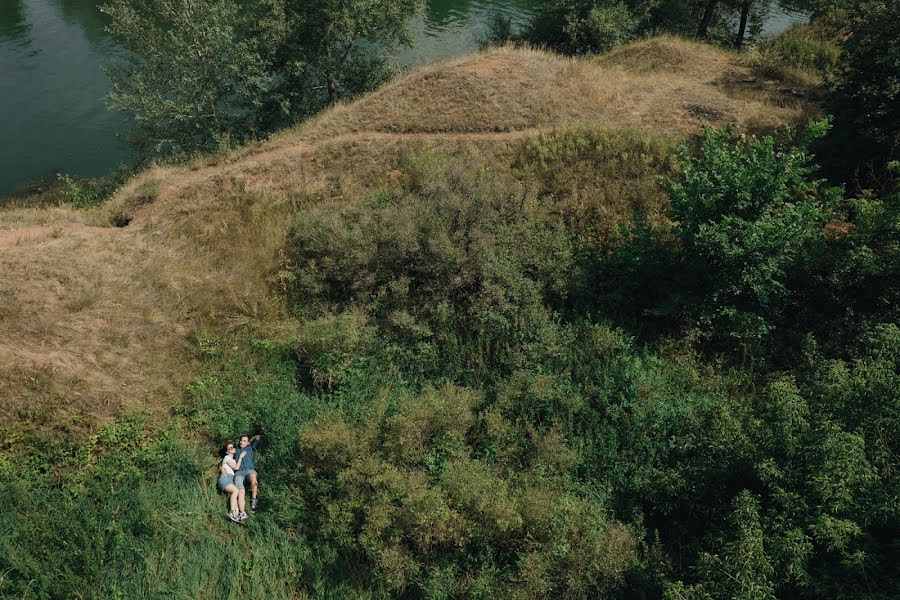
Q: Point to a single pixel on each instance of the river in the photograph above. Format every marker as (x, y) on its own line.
(52, 115)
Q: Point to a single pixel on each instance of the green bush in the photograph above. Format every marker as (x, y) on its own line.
(461, 261)
(848, 284)
(597, 180)
(745, 214)
(500, 30)
(85, 193)
(405, 491)
(812, 48)
(581, 26)
(865, 97)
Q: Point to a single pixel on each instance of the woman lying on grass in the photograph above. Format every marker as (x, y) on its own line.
(227, 485)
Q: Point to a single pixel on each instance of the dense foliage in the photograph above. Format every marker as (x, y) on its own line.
(866, 95)
(810, 50)
(486, 263)
(591, 26)
(200, 76)
(746, 214)
(581, 27)
(192, 79)
(762, 478)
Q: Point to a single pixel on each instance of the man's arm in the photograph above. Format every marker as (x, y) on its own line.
(254, 441)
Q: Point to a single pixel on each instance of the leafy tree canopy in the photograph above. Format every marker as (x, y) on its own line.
(199, 75)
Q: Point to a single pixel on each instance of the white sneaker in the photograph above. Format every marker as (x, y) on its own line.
(242, 516)
(234, 516)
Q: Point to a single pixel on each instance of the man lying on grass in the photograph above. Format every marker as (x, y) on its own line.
(247, 470)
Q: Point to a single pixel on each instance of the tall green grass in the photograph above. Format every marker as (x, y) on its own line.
(133, 513)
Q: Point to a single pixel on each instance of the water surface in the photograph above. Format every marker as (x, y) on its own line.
(52, 116)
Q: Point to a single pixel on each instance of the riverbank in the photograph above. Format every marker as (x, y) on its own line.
(52, 53)
(62, 189)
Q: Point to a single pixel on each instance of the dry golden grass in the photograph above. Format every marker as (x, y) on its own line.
(95, 319)
(87, 334)
(654, 84)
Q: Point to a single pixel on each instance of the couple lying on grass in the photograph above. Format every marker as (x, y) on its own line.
(237, 468)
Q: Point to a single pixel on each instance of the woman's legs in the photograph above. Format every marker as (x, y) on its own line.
(233, 492)
(240, 499)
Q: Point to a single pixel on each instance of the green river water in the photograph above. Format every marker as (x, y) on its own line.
(52, 115)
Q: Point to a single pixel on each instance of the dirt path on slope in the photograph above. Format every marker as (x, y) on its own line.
(17, 235)
(294, 150)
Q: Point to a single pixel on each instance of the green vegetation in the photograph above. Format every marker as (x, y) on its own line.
(66, 189)
(746, 214)
(866, 96)
(801, 51)
(462, 410)
(131, 512)
(517, 376)
(851, 49)
(193, 75)
(579, 27)
(85, 193)
(206, 76)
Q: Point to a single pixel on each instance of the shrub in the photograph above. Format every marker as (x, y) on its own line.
(85, 193)
(499, 31)
(404, 491)
(747, 212)
(598, 180)
(581, 26)
(464, 262)
(328, 345)
(811, 49)
(848, 284)
(865, 99)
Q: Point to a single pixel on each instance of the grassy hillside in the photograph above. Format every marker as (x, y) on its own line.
(97, 319)
(460, 310)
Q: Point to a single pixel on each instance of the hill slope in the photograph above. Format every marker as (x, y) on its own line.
(96, 319)
(483, 359)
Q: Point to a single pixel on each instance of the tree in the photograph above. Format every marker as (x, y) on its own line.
(742, 24)
(338, 38)
(191, 77)
(745, 213)
(709, 13)
(199, 75)
(589, 26)
(866, 94)
(715, 22)
(581, 26)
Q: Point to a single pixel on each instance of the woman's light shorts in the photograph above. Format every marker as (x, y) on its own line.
(225, 481)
